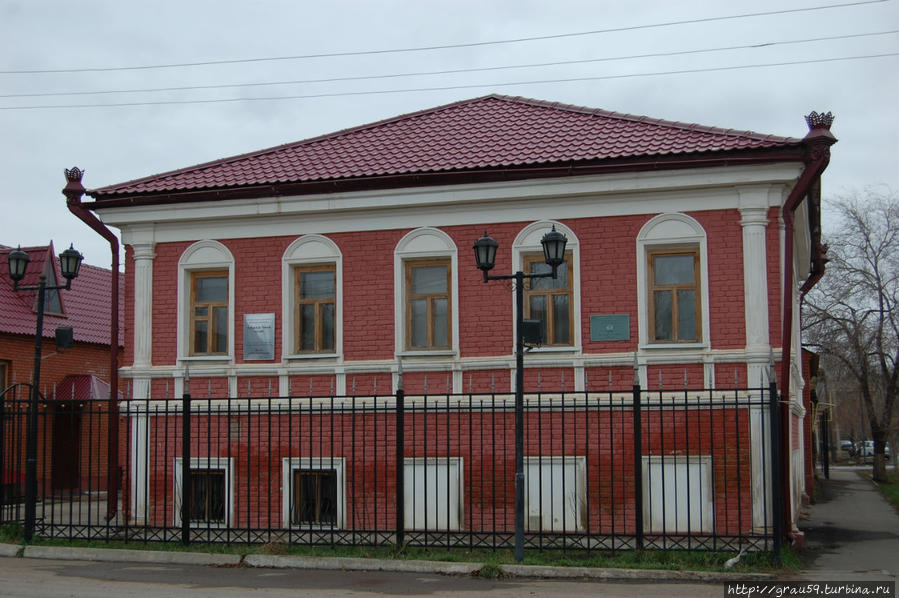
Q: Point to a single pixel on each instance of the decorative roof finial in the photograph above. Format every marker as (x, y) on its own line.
(74, 175)
(819, 121)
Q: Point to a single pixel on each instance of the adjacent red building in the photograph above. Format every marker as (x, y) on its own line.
(74, 380)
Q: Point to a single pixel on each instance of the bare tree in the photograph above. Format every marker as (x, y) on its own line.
(851, 314)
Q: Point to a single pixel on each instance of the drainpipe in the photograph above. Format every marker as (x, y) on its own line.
(73, 192)
(817, 144)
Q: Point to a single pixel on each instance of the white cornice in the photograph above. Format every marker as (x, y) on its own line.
(324, 213)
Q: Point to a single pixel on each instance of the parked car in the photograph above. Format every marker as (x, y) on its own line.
(846, 445)
(864, 450)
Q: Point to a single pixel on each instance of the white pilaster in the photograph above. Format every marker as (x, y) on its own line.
(143, 304)
(755, 278)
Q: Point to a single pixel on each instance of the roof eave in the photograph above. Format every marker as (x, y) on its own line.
(483, 175)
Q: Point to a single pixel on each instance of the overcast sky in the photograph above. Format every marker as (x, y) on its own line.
(852, 74)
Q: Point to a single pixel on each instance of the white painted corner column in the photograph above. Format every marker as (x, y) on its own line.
(144, 255)
(754, 221)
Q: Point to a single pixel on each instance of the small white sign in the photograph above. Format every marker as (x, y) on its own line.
(258, 337)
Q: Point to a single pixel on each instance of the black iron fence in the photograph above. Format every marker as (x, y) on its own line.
(690, 469)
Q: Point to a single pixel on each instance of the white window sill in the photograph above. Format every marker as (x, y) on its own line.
(207, 358)
(435, 353)
(533, 350)
(673, 346)
(312, 356)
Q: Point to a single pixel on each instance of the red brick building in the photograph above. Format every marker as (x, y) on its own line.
(74, 380)
(331, 266)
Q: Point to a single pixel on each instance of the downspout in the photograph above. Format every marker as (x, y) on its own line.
(73, 191)
(817, 145)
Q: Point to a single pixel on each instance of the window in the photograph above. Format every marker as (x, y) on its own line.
(314, 497)
(315, 288)
(313, 492)
(674, 309)
(555, 493)
(432, 491)
(677, 494)
(672, 284)
(428, 305)
(52, 302)
(311, 297)
(4, 375)
(210, 499)
(549, 299)
(209, 313)
(207, 495)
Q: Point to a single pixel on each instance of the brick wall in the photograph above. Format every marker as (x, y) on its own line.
(608, 285)
(257, 444)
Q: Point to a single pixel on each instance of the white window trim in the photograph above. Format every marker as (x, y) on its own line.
(671, 231)
(706, 507)
(424, 243)
(203, 255)
(579, 483)
(291, 464)
(528, 242)
(451, 462)
(310, 250)
(226, 463)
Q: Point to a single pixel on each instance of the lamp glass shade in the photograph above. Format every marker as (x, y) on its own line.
(554, 247)
(18, 261)
(70, 262)
(485, 252)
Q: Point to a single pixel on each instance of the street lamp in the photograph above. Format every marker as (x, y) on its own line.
(18, 260)
(485, 255)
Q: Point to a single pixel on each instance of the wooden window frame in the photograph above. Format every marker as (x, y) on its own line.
(317, 302)
(296, 507)
(221, 476)
(696, 287)
(5, 367)
(527, 260)
(409, 297)
(211, 305)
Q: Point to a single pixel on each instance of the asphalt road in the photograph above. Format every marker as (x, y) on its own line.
(38, 578)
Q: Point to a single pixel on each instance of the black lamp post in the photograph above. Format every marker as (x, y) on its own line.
(70, 263)
(485, 254)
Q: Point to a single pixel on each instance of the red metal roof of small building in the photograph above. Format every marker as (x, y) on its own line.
(85, 307)
(490, 132)
(81, 387)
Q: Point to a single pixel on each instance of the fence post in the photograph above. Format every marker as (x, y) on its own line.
(400, 465)
(638, 464)
(776, 473)
(185, 469)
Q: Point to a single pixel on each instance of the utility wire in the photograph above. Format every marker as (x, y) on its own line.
(452, 87)
(441, 47)
(449, 71)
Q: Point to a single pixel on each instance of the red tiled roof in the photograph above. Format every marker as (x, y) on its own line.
(85, 306)
(81, 387)
(483, 133)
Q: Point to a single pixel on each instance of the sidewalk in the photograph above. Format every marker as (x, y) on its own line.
(852, 532)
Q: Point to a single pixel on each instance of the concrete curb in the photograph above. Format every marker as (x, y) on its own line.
(359, 564)
(611, 574)
(363, 564)
(130, 556)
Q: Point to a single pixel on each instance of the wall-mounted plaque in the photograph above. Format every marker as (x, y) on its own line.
(612, 327)
(258, 337)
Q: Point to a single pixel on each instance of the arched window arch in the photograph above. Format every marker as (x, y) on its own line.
(427, 297)
(312, 298)
(672, 282)
(206, 302)
(556, 302)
